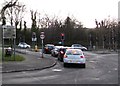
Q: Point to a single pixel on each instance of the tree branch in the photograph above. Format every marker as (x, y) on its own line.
(8, 6)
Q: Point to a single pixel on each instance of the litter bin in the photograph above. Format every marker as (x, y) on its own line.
(8, 51)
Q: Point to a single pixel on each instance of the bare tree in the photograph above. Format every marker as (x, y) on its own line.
(15, 14)
(8, 5)
(34, 23)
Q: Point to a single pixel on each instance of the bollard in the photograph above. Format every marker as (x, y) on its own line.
(36, 48)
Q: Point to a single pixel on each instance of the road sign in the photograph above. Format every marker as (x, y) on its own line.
(42, 33)
(9, 32)
(42, 36)
(34, 39)
(33, 35)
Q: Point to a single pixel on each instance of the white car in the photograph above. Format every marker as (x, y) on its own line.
(23, 45)
(78, 46)
(74, 56)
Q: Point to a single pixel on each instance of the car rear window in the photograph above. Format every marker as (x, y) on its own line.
(73, 52)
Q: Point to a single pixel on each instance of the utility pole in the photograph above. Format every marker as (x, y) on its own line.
(90, 41)
(103, 42)
(96, 42)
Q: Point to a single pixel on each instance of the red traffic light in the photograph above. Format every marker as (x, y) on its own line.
(62, 34)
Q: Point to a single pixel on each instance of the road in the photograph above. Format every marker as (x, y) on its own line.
(100, 69)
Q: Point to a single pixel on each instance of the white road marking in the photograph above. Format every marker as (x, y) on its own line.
(99, 71)
(92, 61)
(95, 78)
(23, 72)
(115, 68)
(57, 70)
(46, 77)
(38, 58)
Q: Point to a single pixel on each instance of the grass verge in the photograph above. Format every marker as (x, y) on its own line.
(11, 58)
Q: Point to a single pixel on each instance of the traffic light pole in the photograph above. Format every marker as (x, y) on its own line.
(62, 38)
(62, 42)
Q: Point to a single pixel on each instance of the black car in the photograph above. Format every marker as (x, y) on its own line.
(55, 51)
(48, 48)
(61, 54)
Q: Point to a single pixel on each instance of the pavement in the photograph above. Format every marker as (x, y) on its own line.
(33, 61)
(105, 51)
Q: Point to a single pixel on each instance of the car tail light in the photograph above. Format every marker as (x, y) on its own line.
(46, 48)
(65, 56)
(82, 56)
(61, 52)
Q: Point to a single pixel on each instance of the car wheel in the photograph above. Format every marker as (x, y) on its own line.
(83, 65)
(61, 59)
(27, 47)
(58, 58)
(44, 52)
(65, 64)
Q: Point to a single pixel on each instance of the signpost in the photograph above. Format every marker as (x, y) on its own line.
(34, 39)
(8, 32)
(42, 36)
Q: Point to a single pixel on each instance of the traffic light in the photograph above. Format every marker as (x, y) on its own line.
(62, 36)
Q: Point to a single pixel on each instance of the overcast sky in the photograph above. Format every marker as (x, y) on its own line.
(85, 11)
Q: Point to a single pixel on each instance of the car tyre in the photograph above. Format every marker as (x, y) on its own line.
(58, 59)
(61, 59)
(45, 52)
(83, 65)
(65, 64)
(27, 47)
